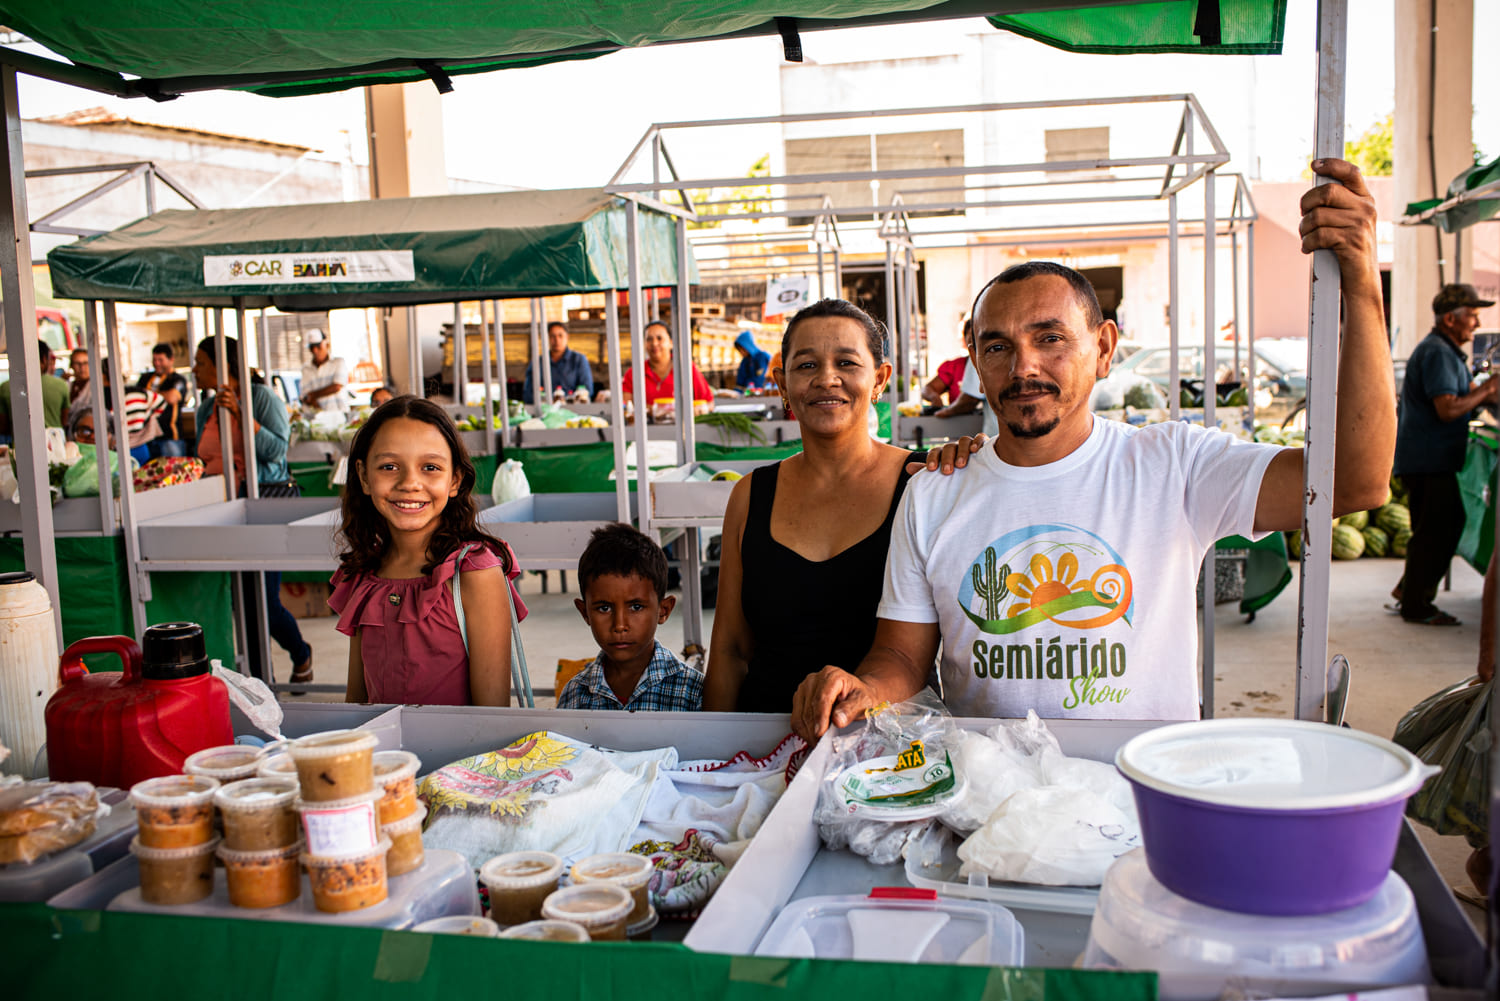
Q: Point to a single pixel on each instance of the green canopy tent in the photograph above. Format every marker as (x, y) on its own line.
(1473, 197)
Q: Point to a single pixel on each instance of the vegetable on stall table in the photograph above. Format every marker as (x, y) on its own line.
(730, 424)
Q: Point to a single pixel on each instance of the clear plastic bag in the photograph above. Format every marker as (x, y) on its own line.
(39, 818)
(510, 482)
(253, 698)
(1452, 729)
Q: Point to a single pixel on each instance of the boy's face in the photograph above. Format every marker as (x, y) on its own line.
(623, 613)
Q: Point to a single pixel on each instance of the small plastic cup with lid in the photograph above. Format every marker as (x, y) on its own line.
(518, 883)
(334, 765)
(406, 843)
(460, 924)
(347, 882)
(277, 765)
(396, 775)
(228, 763)
(340, 826)
(175, 811)
(258, 814)
(262, 878)
(175, 876)
(631, 873)
(548, 931)
(601, 908)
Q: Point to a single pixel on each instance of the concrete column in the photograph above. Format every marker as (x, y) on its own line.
(405, 123)
(1439, 105)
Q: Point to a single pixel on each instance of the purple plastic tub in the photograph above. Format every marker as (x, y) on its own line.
(1277, 817)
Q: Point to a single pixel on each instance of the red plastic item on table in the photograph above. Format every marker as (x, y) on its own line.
(116, 728)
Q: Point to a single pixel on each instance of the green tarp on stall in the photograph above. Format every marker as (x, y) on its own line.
(391, 251)
(1465, 213)
(289, 47)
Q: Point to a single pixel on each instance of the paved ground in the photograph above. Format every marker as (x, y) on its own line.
(1396, 665)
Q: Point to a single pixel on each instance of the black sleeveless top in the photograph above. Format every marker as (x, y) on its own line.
(803, 614)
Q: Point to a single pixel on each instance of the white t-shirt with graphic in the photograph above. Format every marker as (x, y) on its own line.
(1070, 588)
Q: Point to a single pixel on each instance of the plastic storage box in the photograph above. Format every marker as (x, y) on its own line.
(896, 925)
(46, 877)
(1202, 952)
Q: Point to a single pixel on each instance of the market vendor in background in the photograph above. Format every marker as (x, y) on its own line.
(1059, 570)
(171, 387)
(381, 395)
(659, 369)
(54, 395)
(943, 389)
(324, 378)
(754, 363)
(570, 369)
(272, 435)
(78, 375)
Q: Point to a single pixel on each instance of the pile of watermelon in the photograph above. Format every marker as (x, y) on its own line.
(1384, 531)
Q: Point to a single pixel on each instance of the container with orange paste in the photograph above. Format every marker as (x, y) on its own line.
(175, 811)
(396, 775)
(262, 878)
(258, 814)
(405, 836)
(334, 765)
(348, 882)
(173, 876)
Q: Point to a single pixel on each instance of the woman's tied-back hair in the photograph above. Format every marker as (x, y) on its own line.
(875, 337)
(365, 534)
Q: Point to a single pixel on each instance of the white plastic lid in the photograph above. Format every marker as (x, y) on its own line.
(406, 824)
(460, 924)
(521, 870)
(231, 761)
(347, 803)
(174, 790)
(1142, 925)
(896, 925)
(171, 854)
(620, 868)
(1270, 764)
(332, 744)
(393, 766)
(277, 766)
(324, 861)
(549, 931)
(232, 857)
(593, 905)
(256, 794)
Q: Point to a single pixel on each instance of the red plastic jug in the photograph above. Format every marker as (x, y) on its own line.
(118, 728)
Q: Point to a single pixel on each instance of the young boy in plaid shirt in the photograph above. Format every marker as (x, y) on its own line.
(623, 578)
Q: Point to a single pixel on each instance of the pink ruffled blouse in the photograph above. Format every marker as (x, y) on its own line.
(410, 643)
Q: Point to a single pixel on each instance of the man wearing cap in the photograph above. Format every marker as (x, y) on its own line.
(323, 378)
(1437, 400)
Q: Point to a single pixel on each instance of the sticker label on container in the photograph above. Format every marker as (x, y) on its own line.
(344, 831)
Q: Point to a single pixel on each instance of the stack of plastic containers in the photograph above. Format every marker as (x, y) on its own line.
(345, 854)
(631, 873)
(607, 898)
(261, 842)
(174, 843)
(398, 813)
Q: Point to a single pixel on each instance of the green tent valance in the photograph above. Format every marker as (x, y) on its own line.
(1465, 204)
(392, 251)
(287, 47)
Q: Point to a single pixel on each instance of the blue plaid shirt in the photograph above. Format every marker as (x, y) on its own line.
(667, 685)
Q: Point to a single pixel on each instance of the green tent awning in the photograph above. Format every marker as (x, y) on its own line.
(287, 47)
(393, 251)
(1465, 204)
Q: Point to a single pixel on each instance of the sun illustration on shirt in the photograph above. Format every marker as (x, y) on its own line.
(1046, 573)
(1042, 585)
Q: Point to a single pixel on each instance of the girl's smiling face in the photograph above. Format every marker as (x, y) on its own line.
(409, 475)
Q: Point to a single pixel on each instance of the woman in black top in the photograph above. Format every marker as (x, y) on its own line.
(805, 540)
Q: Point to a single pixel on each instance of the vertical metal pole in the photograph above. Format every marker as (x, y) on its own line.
(226, 433)
(1210, 404)
(263, 347)
(683, 313)
(504, 379)
(822, 294)
(893, 335)
(638, 359)
(460, 358)
(101, 422)
(18, 300)
(127, 481)
(247, 409)
(838, 273)
(486, 331)
(1174, 339)
(1250, 316)
(417, 385)
(1322, 387)
(1234, 274)
(544, 349)
(616, 404)
(916, 359)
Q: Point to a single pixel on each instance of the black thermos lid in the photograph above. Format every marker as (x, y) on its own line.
(173, 650)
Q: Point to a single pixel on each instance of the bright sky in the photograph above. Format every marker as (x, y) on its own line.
(572, 123)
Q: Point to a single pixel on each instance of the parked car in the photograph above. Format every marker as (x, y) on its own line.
(1280, 374)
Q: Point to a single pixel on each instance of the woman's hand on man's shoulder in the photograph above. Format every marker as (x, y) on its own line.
(953, 455)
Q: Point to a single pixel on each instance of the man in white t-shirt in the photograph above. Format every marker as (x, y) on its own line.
(1058, 571)
(324, 378)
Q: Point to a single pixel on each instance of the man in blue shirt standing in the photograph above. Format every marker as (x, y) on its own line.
(570, 369)
(1432, 437)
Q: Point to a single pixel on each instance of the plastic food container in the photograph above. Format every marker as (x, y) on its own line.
(600, 908)
(405, 836)
(631, 873)
(519, 883)
(228, 763)
(348, 882)
(334, 765)
(277, 766)
(896, 925)
(175, 811)
(548, 931)
(396, 775)
(460, 924)
(258, 814)
(1203, 952)
(262, 878)
(341, 826)
(172, 876)
(1273, 817)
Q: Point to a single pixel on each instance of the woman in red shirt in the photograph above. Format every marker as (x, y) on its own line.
(659, 369)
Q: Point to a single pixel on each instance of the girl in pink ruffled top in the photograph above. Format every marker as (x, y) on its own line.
(409, 526)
